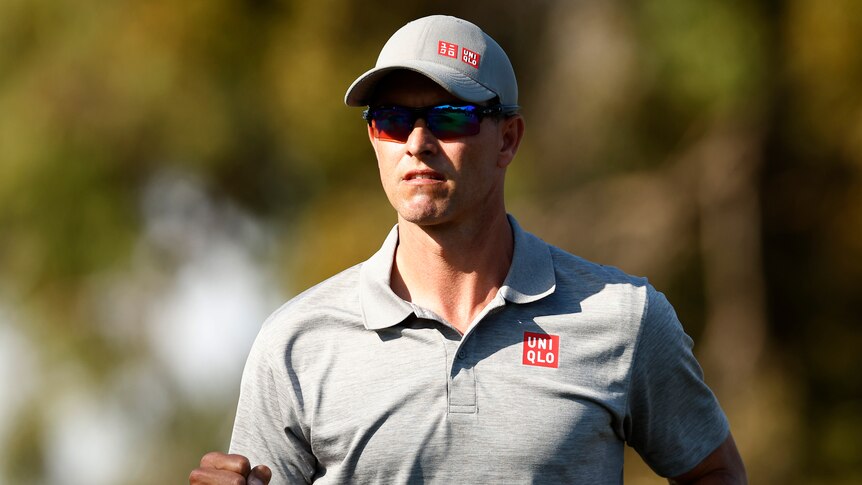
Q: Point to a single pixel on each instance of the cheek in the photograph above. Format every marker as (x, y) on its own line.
(477, 160)
(386, 159)
(386, 171)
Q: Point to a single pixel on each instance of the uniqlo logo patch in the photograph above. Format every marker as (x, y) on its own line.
(541, 349)
(447, 49)
(470, 57)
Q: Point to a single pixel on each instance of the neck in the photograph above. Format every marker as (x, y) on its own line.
(454, 270)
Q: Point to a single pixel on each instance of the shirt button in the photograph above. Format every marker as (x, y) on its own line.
(461, 354)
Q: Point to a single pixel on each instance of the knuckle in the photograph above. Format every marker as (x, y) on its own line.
(195, 476)
(210, 458)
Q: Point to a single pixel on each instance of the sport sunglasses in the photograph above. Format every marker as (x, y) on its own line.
(446, 121)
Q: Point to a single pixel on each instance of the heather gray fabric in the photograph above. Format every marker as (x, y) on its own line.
(347, 383)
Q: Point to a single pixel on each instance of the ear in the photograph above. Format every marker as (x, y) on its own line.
(511, 134)
(372, 138)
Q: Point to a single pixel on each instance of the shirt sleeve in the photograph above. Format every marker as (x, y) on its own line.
(267, 429)
(673, 419)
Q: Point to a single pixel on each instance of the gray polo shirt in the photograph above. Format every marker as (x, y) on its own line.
(348, 383)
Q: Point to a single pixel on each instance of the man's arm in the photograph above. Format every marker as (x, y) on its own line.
(222, 469)
(721, 467)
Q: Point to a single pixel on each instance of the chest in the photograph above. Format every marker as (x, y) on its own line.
(520, 394)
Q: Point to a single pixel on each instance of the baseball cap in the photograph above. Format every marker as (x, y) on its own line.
(452, 52)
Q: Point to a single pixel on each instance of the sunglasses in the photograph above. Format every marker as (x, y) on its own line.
(446, 121)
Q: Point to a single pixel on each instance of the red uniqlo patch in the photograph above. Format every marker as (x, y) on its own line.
(541, 349)
(470, 57)
(447, 49)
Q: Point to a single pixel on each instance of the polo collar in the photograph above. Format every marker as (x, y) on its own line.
(531, 277)
(381, 307)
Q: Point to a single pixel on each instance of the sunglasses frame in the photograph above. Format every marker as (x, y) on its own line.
(479, 112)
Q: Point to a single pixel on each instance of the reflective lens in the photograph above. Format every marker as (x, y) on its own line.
(446, 121)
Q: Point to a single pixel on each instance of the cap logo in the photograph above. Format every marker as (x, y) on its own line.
(470, 57)
(541, 350)
(448, 49)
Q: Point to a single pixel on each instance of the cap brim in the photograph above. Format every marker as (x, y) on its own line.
(455, 82)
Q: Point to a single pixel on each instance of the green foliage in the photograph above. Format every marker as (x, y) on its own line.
(707, 57)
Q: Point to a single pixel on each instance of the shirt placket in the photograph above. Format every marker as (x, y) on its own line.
(462, 379)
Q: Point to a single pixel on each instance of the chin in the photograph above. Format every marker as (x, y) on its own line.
(422, 218)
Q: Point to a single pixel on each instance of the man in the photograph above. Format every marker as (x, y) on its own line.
(467, 350)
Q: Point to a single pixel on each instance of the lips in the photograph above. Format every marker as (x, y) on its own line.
(423, 176)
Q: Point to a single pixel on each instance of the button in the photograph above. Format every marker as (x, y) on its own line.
(461, 354)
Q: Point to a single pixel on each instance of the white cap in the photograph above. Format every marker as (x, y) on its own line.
(450, 51)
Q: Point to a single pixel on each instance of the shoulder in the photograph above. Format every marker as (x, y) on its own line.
(606, 289)
(331, 302)
(569, 265)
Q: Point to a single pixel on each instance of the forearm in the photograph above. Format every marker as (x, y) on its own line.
(717, 477)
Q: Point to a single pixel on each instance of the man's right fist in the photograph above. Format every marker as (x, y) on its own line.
(222, 469)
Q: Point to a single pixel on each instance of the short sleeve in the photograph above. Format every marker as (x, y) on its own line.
(267, 429)
(673, 419)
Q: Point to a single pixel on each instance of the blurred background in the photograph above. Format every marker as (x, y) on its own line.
(170, 172)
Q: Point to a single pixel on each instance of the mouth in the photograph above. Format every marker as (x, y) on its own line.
(423, 177)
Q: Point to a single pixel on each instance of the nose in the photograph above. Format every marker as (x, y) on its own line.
(421, 139)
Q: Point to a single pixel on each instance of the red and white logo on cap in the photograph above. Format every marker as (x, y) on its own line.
(447, 49)
(541, 349)
(470, 58)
